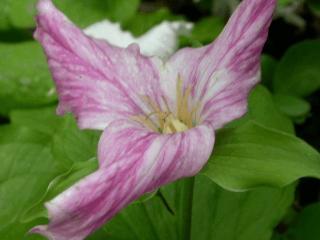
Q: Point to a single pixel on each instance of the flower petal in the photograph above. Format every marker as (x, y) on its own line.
(110, 32)
(161, 40)
(133, 161)
(98, 82)
(222, 73)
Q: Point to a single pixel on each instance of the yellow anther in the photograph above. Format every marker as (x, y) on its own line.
(173, 125)
(167, 121)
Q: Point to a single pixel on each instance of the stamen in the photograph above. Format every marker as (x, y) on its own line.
(179, 94)
(146, 122)
(173, 125)
(166, 104)
(155, 109)
(193, 116)
(184, 111)
(167, 121)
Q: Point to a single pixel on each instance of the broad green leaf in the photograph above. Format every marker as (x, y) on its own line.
(21, 134)
(20, 14)
(4, 15)
(26, 170)
(263, 110)
(140, 221)
(179, 197)
(306, 224)
(24, 77)
(207, 29)
(218, 214)
(86, 12)
(292, 106)
(298, 72)
(30, 133)
(214, 214)
(68, 143)
(268, 68)
(142, 22)
(43, 120)
(58, 185)
(252, 155)
(71, 145)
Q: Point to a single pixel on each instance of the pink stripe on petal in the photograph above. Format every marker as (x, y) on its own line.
(223, 73)
(98, 82)
(133, 161)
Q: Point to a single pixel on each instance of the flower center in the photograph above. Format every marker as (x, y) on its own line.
(164, 120)
(173, 125)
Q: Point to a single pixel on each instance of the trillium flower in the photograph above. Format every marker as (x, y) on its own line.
(159, 118)
(161, 40)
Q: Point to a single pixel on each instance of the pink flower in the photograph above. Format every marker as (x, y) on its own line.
(159, 118)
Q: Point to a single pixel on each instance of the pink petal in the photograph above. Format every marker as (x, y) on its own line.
(223, 73)
(133, 161)
(98, 82)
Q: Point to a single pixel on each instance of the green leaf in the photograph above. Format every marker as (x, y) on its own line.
(207, 29)
(268, 68)
(4, 19)
(26, 170)
(43, 120)
(140, 221)
(20, 134)
(262, 109)
(285, 2)
(39, 149)
(182, 205)
(292, 106)
(24, 77)
(142, 22)
(68, 143)
(298, 72)
(58, 185)
(252, 155)
(86, 12)
(20, 14)
(306, 225)
(216, 214)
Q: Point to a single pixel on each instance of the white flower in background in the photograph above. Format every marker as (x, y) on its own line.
(162, 40)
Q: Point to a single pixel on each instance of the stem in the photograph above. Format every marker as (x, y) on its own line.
(185, 194)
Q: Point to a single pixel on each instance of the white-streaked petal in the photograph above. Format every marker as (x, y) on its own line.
(133, 161)
(222, 73)
(96, 81)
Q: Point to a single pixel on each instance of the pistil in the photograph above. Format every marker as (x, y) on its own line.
(165, 120)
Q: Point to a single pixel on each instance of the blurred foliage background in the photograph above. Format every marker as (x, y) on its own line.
(290, 71)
